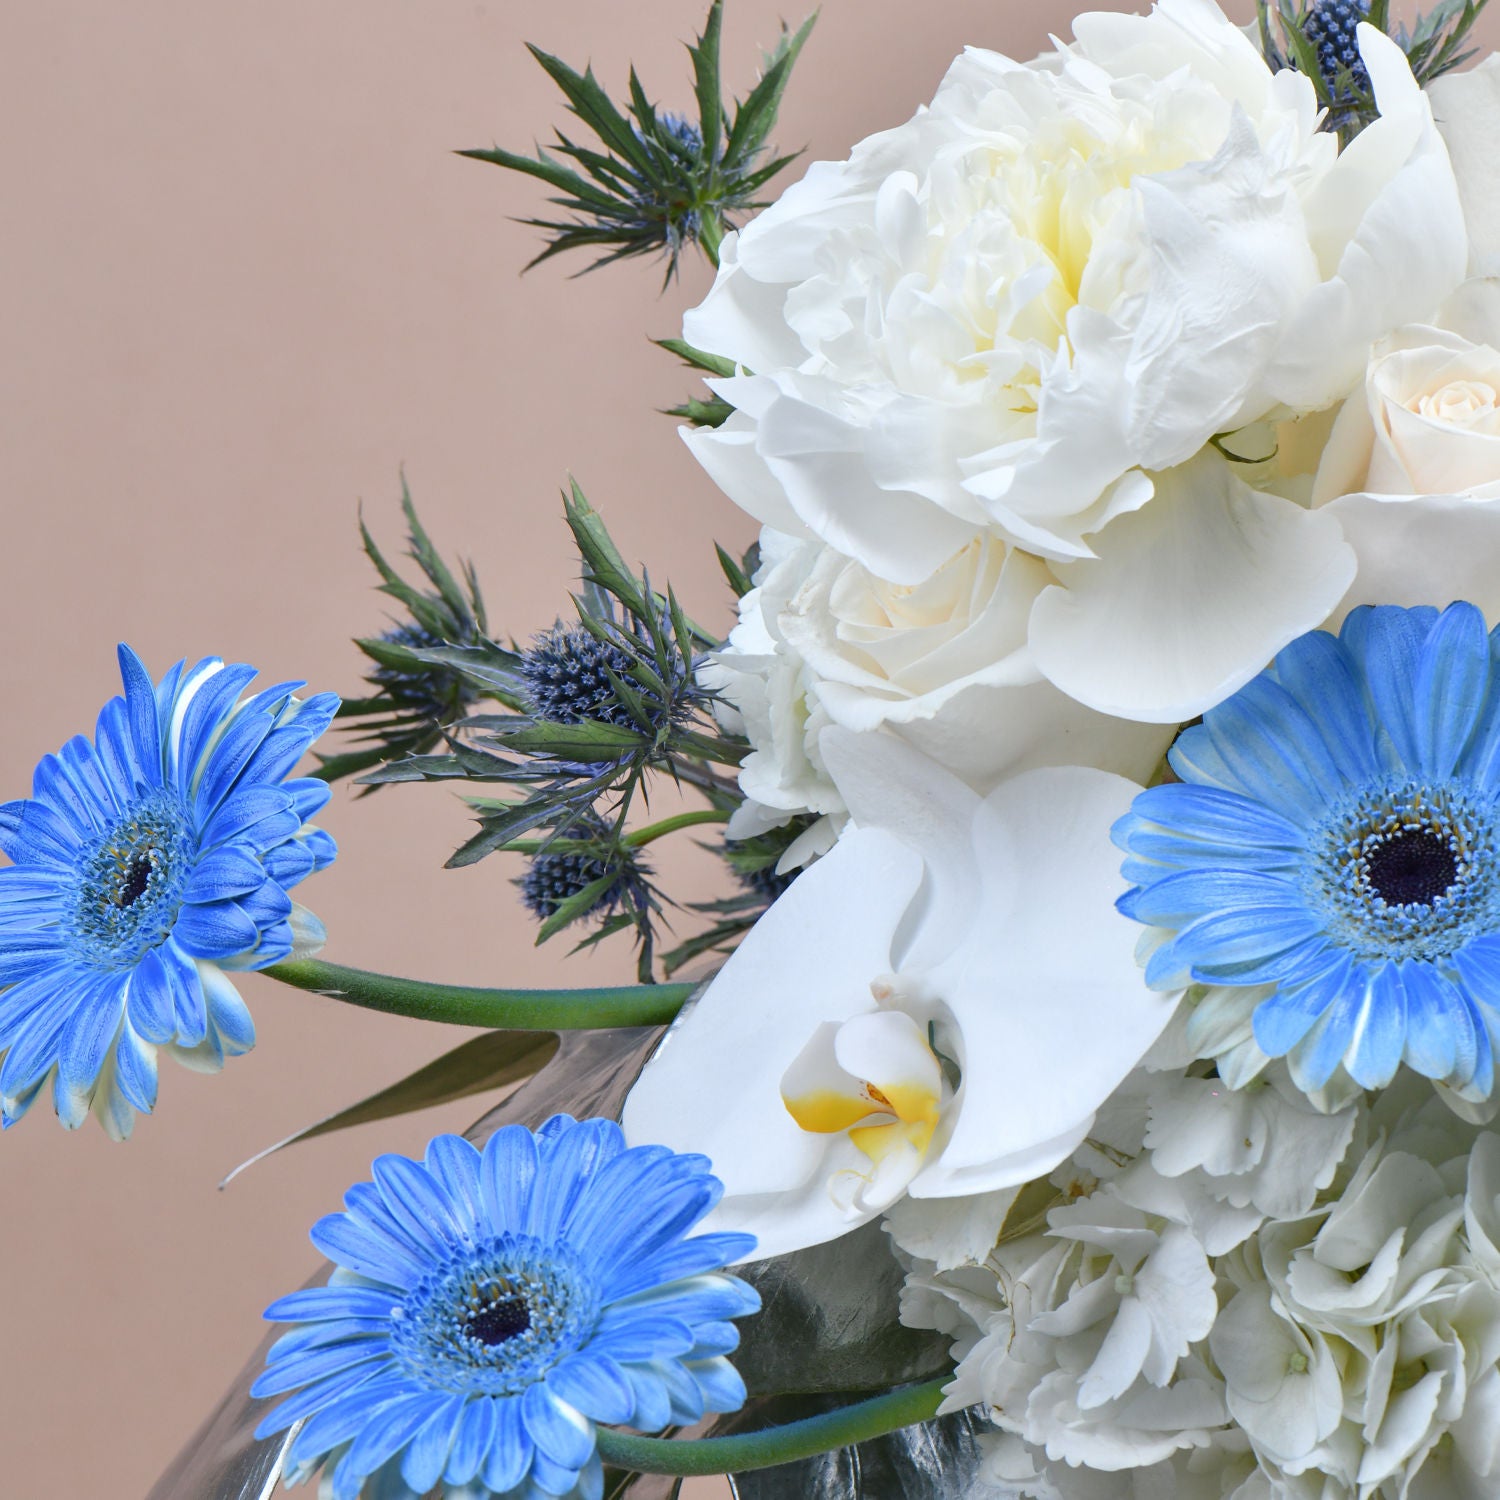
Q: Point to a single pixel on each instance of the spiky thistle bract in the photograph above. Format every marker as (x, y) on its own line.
(656, 181)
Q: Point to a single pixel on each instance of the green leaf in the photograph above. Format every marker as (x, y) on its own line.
(755, 117)
(699, 359)
(601, 557)
(589, 740)
(738, 579)
(714, 413)
(477, 1066)
(706, 84)
(594, 107)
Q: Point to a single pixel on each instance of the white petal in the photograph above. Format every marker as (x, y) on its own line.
(1420, 549)
(1051, 1006)
(715, 1084)
(1190, 597)
(890, 786)
(1467, 109)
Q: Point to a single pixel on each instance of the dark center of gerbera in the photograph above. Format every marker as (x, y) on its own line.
(137, 876)
(1411, 867)
(499, 1321)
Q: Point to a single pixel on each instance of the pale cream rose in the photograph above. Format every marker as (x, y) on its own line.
(943, 663)
(1412, 468)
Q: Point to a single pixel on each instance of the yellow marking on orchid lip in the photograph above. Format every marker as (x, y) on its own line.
(878, 1141)
(825, 1112)
(910, 1102)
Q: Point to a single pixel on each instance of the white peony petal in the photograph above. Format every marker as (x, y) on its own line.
(1190, 597)
(1466, 107)
(1420, 549)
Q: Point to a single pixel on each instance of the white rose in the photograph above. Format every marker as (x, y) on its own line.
(1412, 469)
(944, 664)
(1061, 276)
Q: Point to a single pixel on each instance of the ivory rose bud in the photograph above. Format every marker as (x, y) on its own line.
(1412, 468)
(942, 663)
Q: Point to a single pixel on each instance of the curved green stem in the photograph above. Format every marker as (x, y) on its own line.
(461, 1005)
(653, 831)
(775, 1445)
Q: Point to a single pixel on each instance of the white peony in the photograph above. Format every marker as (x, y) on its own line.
(937, 1007)
(1030, 307)
(944, 664)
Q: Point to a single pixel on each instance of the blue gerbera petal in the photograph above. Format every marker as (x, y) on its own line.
(143, 864)
(1336, 835)
(486, 1304)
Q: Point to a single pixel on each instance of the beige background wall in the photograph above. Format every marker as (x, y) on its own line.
(243, 282)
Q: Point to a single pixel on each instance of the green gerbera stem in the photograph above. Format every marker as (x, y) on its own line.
(462, 1005)
(775, 1445)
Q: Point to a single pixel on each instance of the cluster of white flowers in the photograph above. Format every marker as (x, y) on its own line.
(995, 356)
(1066, 407)
(1232, 1295)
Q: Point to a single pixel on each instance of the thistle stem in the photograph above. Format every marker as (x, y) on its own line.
(660, 829)
(462, 1005)
(775, 1445)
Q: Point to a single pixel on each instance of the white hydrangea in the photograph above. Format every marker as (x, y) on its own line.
(1232, 1295)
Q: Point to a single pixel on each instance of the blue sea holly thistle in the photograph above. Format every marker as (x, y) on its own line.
(147, 865)
(1329, 863)
(490, 1307)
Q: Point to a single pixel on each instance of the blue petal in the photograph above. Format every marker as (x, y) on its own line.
(1316, 670)
(260, 816)
(1282, 1020)
(427, 1454)
(117, 760)
(320, 1394)
(626, 1335)
(141, 713)
(454, 1167)
(1260, 743)
(507, 1176)
(315, 1365)
(289, 862)
(229, 1020)
(319, 1303)
(1442, 1037)
(653, 1405)
(55, 788)
(568, 1159)
(227, 760)
(150, 999)
(135, 1070)
(1451, 686)
(309, 794)
(32, 834)
(595, 1386)
(471, 1443)
(86, 1042)
(336, 1422)
(1380, 1034)
(511, 1452)
(705, 1252)
(722, 1386)
(219, 931)
(201, 720)
(367, 1251)
(222, 875)
(1313, 1060)
(417, 1203)
(1183, 897)
(1386, 642)
(562, 1435)
(1223, 940)
(391, 1428)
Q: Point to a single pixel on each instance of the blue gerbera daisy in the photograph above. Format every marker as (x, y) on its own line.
(145, 864)
(1336, 839)
(488, 1308)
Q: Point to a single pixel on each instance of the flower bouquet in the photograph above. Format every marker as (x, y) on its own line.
(1086, 1089)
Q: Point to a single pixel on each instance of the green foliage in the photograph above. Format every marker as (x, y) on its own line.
(574, 778)
(657, 182)
(430, 668)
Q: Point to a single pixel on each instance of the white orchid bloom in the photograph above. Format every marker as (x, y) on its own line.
(944, 931)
